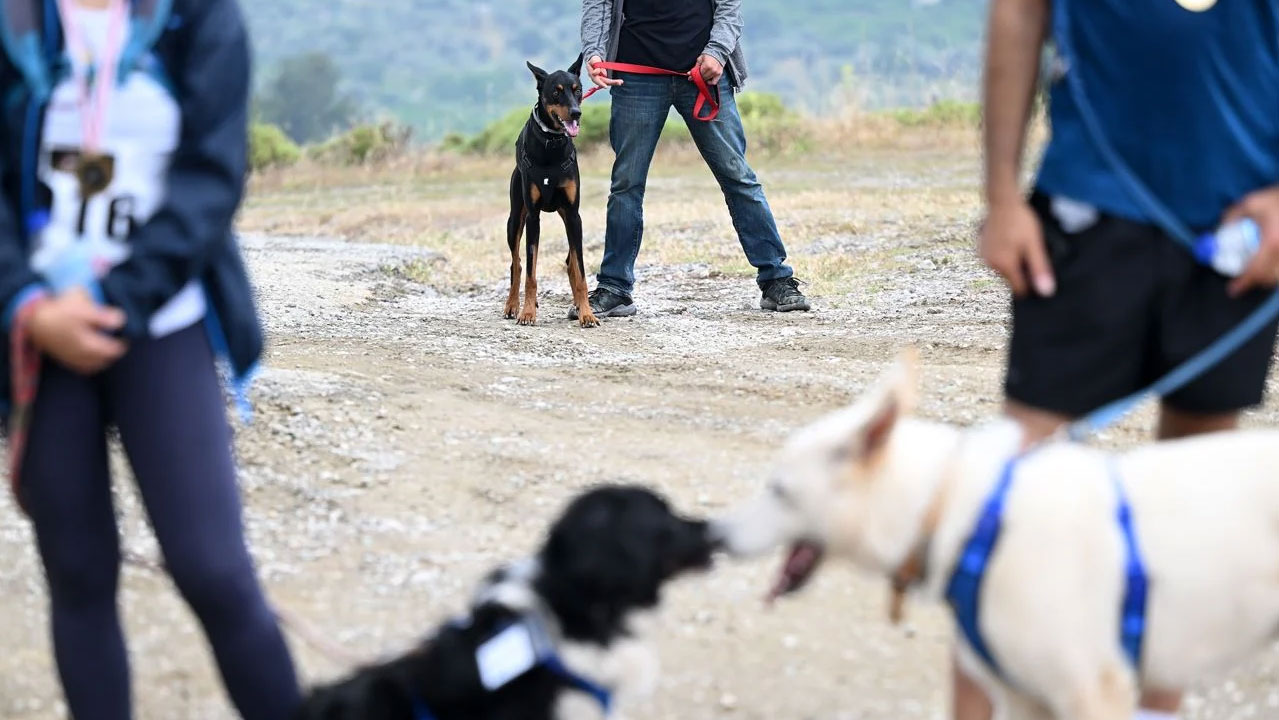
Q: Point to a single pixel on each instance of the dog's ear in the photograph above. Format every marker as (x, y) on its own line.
(576, 68)
(894, 398)
(538, 73)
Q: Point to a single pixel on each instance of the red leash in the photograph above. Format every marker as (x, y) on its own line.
(704, 95)
(24, 361)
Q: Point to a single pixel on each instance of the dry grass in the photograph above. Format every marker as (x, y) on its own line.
(869, 178)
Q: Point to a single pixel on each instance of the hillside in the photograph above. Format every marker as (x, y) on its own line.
(446, 65)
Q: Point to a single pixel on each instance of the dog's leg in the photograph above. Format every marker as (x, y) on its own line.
(532, 236)
(514, 231)
(577, 266)
(1011, 705)
(1112, 695)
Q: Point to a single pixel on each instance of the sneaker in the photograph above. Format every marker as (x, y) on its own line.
(606, 303)
(783, 296)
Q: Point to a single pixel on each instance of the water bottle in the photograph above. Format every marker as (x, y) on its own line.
(74, 267)
(1231, 248)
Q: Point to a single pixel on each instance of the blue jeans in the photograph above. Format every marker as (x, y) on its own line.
(640, 109)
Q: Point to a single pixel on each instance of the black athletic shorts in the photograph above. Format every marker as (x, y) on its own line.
(1131, 305)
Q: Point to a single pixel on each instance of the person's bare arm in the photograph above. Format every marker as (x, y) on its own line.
(1012, 238)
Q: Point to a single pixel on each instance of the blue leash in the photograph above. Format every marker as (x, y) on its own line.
(1214, 354)
(1180, 377)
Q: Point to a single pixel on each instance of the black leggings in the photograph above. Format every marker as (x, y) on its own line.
(165, 398)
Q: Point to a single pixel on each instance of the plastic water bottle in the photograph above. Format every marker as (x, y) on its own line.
(74, 268)
(1230, 248)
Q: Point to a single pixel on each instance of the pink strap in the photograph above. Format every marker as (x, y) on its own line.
(94, 105)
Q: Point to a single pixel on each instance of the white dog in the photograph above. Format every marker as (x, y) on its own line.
(900, 497)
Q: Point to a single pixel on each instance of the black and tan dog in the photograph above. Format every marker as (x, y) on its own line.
(546, 180)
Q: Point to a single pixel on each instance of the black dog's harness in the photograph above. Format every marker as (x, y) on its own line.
(544, 655)
(544, 156)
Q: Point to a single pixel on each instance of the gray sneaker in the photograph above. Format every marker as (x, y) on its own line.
(783, 296)
(605, 303)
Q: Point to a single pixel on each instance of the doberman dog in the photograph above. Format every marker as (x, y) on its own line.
(546, 180)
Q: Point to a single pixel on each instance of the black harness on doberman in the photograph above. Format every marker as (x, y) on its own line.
(546, 157)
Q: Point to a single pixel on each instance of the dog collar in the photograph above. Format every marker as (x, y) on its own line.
(908, 575)
(914, 569)
(537, 119)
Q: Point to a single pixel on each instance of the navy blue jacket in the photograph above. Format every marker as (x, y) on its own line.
(200, 49)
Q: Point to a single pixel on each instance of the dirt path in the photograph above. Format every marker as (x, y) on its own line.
(408, 439)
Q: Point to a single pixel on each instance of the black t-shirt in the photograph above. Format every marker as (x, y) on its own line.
(667, 34)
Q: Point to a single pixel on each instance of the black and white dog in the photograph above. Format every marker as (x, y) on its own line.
(559, 636)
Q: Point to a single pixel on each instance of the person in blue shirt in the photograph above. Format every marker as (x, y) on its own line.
(1104, 302)
(123, 154)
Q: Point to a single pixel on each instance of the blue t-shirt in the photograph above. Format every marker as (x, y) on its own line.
(1190, 100)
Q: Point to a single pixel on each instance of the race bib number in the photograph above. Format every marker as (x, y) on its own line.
(109, 214)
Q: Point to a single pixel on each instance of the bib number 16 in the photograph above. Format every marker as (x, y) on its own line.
(120, 218)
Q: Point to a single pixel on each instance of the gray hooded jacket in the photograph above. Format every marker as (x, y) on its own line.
(602, 29)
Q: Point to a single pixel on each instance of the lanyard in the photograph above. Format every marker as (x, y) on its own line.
(95, 101)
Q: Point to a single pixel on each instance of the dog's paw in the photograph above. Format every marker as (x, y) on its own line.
(509, 312)
(528, 317)
(588, 320)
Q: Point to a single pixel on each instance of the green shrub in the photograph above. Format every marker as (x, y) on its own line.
(269, 147)
(769, 124)
(760, 106)
(498, 136)
(453, 142)
(363, 144)
(943, 113)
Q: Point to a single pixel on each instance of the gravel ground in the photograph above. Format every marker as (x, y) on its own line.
(407, 439)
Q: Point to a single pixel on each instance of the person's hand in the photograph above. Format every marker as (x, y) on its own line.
(711, 69)
(1012, 244)
(1263, 272)
(599, 76)
(72, 329)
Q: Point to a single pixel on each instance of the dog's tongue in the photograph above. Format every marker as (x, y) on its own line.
(798, 570)
(572, 127)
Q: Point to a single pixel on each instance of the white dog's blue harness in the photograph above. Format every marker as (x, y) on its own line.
(545, 657)
(963, 592)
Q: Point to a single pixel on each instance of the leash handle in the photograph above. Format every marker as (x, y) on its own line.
(705, 98)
